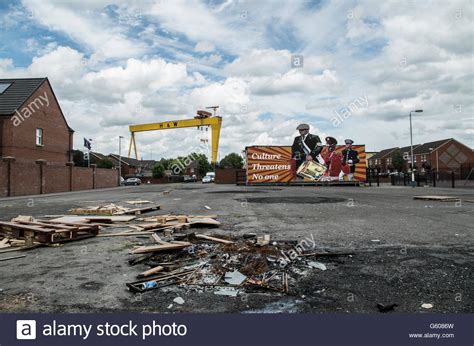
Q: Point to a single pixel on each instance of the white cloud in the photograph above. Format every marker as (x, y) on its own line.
(99, 34)
(204, 47)
(184, 56)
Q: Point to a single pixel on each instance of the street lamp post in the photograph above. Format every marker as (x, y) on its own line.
(431, 166)
(120, 161)
(411, 146)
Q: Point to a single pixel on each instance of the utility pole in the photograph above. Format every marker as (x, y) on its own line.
(120, 161)
(411, 145)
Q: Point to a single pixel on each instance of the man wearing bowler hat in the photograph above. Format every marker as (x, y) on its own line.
(350, 158)
(306, 147)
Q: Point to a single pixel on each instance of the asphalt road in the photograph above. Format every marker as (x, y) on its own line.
(406, 251)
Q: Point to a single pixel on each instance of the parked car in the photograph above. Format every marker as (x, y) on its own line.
(122, 181)
(207, 179)
(133, 181)
(189, 179)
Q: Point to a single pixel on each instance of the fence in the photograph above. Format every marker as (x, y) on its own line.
(20, 178)
(453, 179)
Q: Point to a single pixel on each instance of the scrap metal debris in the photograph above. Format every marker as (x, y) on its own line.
(318, 265)
(227, 266)
(235, 278)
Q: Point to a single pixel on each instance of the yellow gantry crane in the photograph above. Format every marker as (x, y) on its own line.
(202, 119)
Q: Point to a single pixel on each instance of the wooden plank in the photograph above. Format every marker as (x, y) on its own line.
(138, 211)
(153, 225)
(138, 202)
(157, 238)
(83, 219)
(3, 243)
(203, 221)
(125, 234)
(156, 248)
(13, 225)
(49, 225)
(13, 257)
(21, 248)
(437, 198)
(218, 240)
(150, 272)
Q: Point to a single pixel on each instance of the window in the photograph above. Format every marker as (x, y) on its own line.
(4, 86)
(423, 158)
(39, 137)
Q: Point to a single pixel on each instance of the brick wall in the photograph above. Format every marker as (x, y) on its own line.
(81, 178)
(25, 178)
(56, 178)
(105, 178)
(20, 141)
(226, 175)
(3, 179)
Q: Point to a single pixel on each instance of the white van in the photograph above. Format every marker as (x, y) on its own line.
(212, 175)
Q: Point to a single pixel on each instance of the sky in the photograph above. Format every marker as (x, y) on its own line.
(350, 69)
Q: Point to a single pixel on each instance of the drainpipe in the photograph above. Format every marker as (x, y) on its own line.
(70, 165)
(9, 160)
(94, 166)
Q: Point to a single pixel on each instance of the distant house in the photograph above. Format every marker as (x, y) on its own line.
(32, 124)
(368, 156)
(133, 167)
(379, 160)
(442, 155)
(192, 169)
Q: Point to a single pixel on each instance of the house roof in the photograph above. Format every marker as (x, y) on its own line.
(425, 148)
(134, 162)
(193, 164)
(17, 93)
(383, 153)
(99, 155)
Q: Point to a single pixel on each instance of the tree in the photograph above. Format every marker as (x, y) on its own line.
(105, 163)
(204, 164)
(78, 158)
(158, 170)
(397, 161)
(232, 160)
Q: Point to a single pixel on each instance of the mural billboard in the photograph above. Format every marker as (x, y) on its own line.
(274, 164)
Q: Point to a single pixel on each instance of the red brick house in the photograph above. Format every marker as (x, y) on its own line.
(443, 156)
(446, 155)
(379, 160)
(133, 167)
(32, 124)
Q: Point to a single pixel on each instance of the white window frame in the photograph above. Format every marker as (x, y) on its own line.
(39, 137)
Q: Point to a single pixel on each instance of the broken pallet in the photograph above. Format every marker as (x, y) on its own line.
(45, 232)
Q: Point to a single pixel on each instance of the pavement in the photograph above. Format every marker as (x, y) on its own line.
(406, 252)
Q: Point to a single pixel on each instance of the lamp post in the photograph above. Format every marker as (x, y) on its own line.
(120, 161)
(431, 166)
(411, 146)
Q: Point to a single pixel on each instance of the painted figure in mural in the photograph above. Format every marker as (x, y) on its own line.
(332, 159)
(350, 158)
(306, 146)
